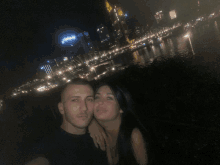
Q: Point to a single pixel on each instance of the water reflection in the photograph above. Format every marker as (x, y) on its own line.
(217, 30)
(138, 59)
(163, 48)
(203, 38)
(171, 47)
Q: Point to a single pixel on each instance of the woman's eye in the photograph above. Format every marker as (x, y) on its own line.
(109, 98)
(96, 97)
(91, 99)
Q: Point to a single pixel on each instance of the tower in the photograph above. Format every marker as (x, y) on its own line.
(117, 17)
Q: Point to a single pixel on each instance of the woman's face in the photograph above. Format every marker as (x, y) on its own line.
(106, 105)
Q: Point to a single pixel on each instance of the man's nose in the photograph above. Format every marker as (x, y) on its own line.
(83, 106)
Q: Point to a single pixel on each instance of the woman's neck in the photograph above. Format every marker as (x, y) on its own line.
(111, 127)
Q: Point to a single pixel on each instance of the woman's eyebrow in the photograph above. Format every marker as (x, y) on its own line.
(107, 93)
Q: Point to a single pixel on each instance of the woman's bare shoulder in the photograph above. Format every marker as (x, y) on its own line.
(38, 161)
(137, 136)
(138, 145)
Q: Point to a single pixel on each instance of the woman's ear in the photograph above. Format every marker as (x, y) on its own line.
(120, 111)
(60, 107)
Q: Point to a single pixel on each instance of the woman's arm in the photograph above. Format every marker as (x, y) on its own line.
(138, 146)
(38, 161)
(97, 133)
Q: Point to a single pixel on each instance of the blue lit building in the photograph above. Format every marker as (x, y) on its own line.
(73, 42)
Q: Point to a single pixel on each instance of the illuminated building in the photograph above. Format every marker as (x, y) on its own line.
(159, 16)
(104, 36)
(73, 42)
(103, 33)
(172, 14)
(117, 17)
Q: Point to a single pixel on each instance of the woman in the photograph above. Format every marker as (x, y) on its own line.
(124, 141)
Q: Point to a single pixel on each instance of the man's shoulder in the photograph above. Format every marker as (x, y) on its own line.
(61, 146)
(48, 140)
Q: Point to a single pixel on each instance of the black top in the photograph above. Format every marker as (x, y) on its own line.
(63, 148)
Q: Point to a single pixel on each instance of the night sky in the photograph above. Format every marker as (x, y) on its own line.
(28, 30)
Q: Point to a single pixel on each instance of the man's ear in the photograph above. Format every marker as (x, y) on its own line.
(60, 107)
(120, 111)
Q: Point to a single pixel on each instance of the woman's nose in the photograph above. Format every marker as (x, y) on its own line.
(100, 101)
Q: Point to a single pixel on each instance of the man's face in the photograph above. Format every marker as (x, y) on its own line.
(77, 105)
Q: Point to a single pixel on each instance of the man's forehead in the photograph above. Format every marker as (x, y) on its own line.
(73, 90)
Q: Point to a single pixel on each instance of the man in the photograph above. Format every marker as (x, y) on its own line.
(72, 143)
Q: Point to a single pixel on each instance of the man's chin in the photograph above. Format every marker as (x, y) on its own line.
(84, 124)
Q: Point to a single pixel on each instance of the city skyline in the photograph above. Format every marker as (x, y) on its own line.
(29, 28)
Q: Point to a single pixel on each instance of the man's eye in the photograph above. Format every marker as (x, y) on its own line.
(74, 100)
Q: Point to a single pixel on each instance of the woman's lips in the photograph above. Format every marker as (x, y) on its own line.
(101, 110)
(83, 117)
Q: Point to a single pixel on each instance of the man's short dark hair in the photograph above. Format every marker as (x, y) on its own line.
(77, 81)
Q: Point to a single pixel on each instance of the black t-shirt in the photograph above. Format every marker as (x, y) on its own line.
(63, 148)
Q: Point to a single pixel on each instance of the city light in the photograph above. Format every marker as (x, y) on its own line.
(188, 36)
(172, 14)
(108, 6)
(146, 39)
(65, 59)
(68, 39)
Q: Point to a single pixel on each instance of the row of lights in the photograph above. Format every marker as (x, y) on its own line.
(96, 58)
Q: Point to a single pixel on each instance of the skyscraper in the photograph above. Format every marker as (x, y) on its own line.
(117, 17)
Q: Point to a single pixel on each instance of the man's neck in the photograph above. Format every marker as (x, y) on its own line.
(73, 130)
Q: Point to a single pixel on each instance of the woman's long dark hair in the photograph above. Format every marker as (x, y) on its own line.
(129, 121)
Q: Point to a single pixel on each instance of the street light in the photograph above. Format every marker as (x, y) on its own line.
(92, 68)
(188, 36)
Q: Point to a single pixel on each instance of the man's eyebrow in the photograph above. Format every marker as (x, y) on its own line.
(74, 96)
